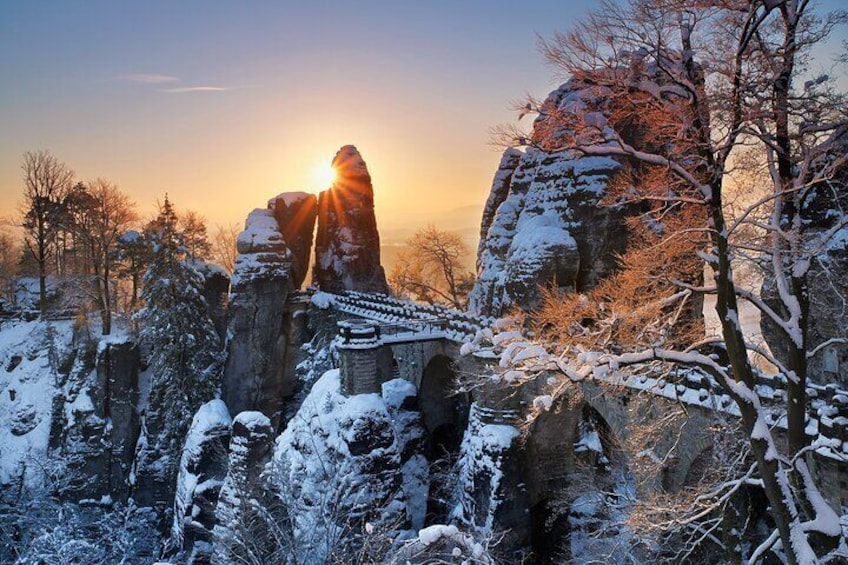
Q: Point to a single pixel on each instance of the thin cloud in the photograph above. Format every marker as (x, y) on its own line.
(149, 78)
(185, 89)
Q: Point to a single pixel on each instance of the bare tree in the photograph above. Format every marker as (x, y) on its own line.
(431, 270)
(195, 237)
(224, 246)
(10, 255)
(696, 85)
(46, 183)
(102, 215)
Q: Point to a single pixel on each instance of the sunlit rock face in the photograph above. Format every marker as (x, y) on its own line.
(295, 213)
(543, 224)
(550, 219)
(347, 247)
(498, 193)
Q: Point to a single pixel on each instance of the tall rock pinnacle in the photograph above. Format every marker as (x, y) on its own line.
(347, 246)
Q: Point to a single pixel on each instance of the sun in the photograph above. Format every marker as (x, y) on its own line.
(323, 176)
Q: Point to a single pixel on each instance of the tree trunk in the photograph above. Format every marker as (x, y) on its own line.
(107, 304)
(737, 352)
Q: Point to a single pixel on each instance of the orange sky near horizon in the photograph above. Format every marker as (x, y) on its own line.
(224, 105)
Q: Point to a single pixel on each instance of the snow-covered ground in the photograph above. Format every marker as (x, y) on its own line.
(28, 383)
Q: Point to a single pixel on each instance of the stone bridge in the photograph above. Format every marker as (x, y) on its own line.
(668, 419)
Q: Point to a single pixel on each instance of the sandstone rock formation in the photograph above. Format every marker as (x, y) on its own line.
(351, 445)
(296, 213)
(216, 290)
(498, 193)
(237, 527)
(548, 228)
(94, 424)
(347, 247)
(203, 468)
(266, 271)
(557, 223)
(253, 376)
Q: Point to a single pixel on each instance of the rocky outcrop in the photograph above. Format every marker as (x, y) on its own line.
(562, 220)
(240, 530)
(94, 422)
(347, 247)
(341, 465)
(296, 213)
(203, 468)
(116, 397)
(550, 228)
(216, 291)
(254, 376)
(498, 193)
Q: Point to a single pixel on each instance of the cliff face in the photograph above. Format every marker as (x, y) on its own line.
(295, 213)
(347, 247)
(547, 227)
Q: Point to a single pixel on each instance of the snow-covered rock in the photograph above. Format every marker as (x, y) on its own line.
(27, 391)
(339, 467)
(487, 474)
(254, 374)
(238, 510)
(203, 467)
(548, 225)
(295, 213)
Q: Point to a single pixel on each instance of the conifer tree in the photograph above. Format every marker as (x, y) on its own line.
(185, 356)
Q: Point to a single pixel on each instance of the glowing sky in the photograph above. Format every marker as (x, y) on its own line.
(224, 104)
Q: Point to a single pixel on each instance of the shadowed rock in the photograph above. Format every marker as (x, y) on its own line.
(254, 376)
(296, 213)
(347, 247)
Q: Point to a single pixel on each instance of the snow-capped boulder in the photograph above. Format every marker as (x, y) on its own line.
(347, 247)
(339, 468)
(295, 213)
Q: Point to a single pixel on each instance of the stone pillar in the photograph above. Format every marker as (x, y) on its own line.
(116, 398)
(493, 492)
(359, 345)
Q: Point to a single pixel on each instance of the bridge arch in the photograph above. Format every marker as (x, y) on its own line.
(570, 449)
(445, 413)
(445, 417)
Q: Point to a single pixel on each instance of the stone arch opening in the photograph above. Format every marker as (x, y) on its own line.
(576, 462)
(445, 416)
